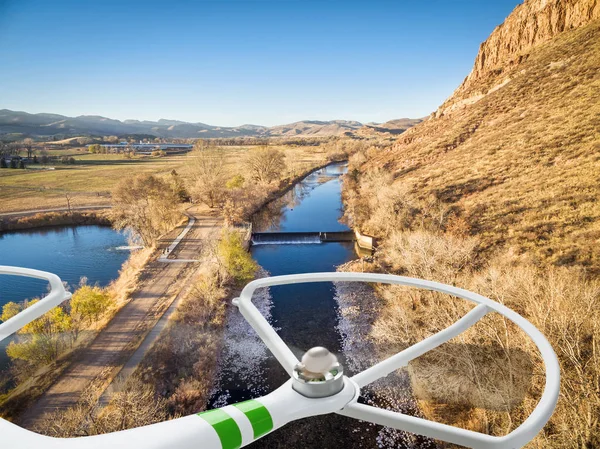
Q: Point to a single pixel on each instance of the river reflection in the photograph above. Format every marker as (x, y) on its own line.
(314, 204)
(304, 315)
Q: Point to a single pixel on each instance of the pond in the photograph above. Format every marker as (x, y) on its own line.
(72, 252)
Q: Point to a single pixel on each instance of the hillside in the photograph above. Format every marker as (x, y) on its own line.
(315, 128)
(17, 122)
(515, 151)
(497, 192)
(397, 126)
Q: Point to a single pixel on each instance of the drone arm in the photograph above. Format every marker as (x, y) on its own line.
(240, 424)
(401, 359)
(267, 334)
(190, 432)
(230, 427)
(57, 295)
(421, 426)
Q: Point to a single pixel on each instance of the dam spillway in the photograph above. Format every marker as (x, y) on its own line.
(300, 238)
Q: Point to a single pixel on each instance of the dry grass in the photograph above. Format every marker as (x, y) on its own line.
(490, 378)
(521, 165)
(135, 404)
(92, 178)
(129, 276)
(42, 220)
(499, 197)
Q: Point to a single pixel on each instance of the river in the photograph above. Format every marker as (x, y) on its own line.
(304, 315)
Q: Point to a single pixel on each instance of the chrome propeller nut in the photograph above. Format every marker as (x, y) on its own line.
(319, 374)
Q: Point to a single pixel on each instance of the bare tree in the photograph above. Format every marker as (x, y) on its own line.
(29, 147)
(3, 149)
(68, 198)
(44, 158)
(208, 171)
(9, 149)
(147, 205)
(265, 163)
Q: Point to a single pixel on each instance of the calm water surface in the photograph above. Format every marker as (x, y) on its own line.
(71, 252)
(305, 315)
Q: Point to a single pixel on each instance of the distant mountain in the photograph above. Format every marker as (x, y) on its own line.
(397, 126)
(40, 125)
(315, 128)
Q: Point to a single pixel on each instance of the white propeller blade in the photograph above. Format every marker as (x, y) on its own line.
(230, 427)
(517, 438)
(57, 295)
(238, 425)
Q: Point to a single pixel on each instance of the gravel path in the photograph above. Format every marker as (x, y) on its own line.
(96, 366)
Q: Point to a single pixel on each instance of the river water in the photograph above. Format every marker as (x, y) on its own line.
(71, 252)
(304, 315)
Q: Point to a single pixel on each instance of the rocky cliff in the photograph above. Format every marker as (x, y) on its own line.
(532, 23)
(514, 151)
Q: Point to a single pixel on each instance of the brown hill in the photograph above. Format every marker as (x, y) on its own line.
(397, 126)
(515, 151)
(23, 124)
(498, 193)
(315, 128)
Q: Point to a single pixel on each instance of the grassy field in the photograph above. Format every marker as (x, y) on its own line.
(90, 180)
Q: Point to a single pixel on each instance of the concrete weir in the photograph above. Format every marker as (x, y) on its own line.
(299, 238)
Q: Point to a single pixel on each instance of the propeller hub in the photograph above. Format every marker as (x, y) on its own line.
(319, 374)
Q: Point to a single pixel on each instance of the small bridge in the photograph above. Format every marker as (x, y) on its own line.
(298, 238)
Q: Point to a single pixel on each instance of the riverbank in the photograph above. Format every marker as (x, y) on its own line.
(53, 219)
(202, 345)
(288, 184)
(25, 393)
(490, 378)
(305, 315)
(185, 287)
(95, 366)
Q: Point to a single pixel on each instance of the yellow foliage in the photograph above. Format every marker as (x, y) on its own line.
(90, 303)
(238, 262)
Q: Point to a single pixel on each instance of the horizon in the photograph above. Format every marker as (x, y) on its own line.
(308, 120)
(233, 63)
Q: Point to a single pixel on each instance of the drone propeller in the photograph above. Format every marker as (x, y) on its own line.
(317, 384)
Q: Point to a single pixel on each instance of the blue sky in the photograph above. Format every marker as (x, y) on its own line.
(235, 62)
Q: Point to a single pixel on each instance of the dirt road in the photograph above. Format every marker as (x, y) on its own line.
(95, 366)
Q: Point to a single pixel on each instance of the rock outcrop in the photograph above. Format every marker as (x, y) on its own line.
(515, 147)
(530, 24)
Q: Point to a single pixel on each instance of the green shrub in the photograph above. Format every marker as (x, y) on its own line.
(42, 340)
(237, 261)
(236, 182)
